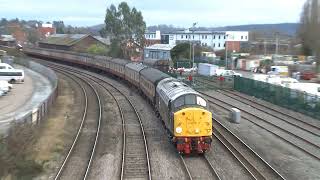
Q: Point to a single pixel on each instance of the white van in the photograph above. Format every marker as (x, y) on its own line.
(8, 73)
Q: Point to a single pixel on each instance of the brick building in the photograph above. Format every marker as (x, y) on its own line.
(71, 42)
(46, 30)
(18, 33)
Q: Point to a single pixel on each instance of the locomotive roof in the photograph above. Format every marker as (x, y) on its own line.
(120, 61)
(136, 66)
(153, 75)
(171, 89)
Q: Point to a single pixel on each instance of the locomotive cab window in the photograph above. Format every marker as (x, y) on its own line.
(190, 99)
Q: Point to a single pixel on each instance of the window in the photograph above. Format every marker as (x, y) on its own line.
(219, 37)
(224, 45)
(190, 99)
(181, 36)
(246, 37)
(205, 44)
(241, 37)
(219, 45)
(193, 37)
(225, 37)
(179, 102)
(206, 36)
(2, 67)
(214, 44)
(186, 36)
(214, 37)
(10, 73)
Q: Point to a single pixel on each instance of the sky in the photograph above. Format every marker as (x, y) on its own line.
(180, 13)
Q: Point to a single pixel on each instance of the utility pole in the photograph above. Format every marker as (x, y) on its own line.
(277, 43)
(265, 47)
(193, 26)
(226, 58)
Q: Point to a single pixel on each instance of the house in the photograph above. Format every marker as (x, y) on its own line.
(152, 38)
(217, 40)
(46, 30)
(7, 40)
(158, 52)
(71, 42)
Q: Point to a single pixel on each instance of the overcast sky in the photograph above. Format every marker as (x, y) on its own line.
(182, 13)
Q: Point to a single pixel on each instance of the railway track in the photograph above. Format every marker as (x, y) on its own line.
(303, 144)
(85, 141)
(135, 155)
(198, 167)
(254, 164)
(271, 111)
(294, 121)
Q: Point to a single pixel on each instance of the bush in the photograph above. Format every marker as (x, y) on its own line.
(14, 151)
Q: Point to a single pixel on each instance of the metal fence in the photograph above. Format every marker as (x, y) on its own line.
(39, 112)
(289, 98)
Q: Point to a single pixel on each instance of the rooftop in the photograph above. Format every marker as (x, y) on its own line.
(71, 39)
(64, 39)
(160, 47)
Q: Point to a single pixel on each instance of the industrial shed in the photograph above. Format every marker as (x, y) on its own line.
(71, 42)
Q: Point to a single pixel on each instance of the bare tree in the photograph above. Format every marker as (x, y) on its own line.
(309, 30)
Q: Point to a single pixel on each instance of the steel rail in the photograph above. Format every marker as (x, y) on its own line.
(123, 121)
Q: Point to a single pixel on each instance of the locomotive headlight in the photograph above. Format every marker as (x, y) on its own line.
(179, 130)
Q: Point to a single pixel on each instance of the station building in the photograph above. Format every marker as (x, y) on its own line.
(71, 42)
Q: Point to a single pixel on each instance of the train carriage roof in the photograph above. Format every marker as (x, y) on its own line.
(135, 66)
(120, 61)
(171, 89)
(153, 75)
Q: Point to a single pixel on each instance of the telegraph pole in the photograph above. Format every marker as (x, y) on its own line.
(277, 43)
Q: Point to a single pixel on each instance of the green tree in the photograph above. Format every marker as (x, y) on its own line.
(97, 50)
(126, 28)
(33, 36)
(59, 25)
(309, 29)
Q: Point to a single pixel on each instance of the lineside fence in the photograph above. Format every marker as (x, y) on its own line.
(39, 112)
(289, 98)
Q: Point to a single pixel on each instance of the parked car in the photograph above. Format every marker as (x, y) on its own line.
(223, 72)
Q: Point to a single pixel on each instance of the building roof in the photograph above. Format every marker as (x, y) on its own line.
(7, 38)
(105, 41)
(64, 39)
(197, 32)
(166, 47)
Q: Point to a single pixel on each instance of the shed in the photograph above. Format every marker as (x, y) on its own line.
(158, 51)
(71, 42)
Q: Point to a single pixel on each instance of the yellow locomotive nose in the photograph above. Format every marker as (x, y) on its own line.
(192, 122)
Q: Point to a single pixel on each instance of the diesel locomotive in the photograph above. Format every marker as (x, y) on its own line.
(184, 111)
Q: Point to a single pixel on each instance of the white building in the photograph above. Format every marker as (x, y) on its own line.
(215, 39)
(153, 35)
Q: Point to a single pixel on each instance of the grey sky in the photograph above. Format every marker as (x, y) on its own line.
(181, 13)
